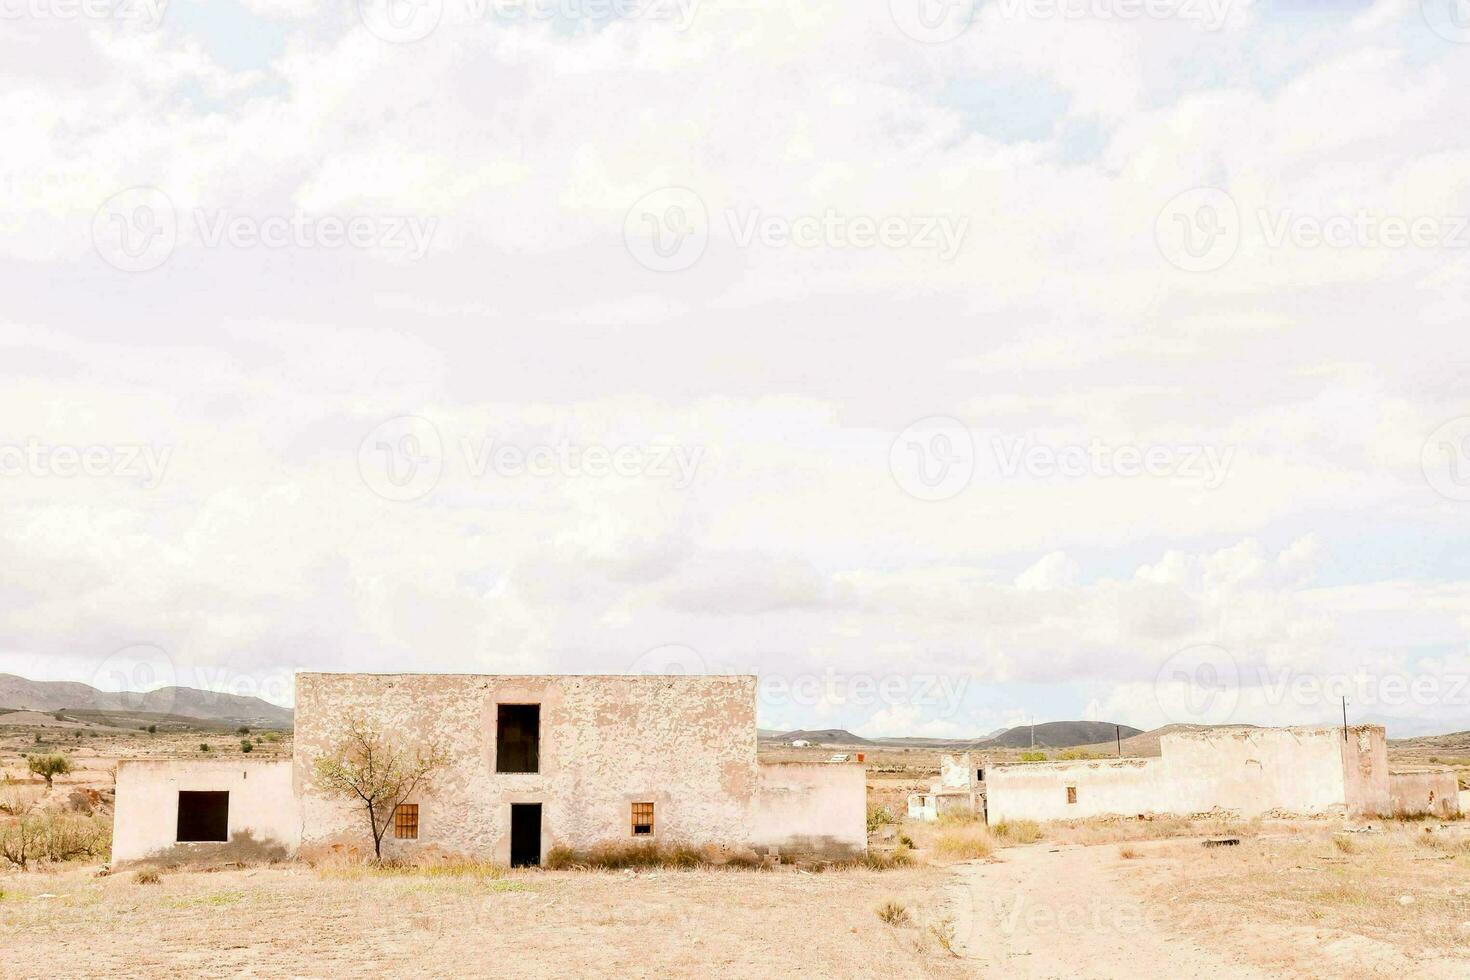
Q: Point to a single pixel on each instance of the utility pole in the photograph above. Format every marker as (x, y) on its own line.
(1118, 734)
(1344, 718)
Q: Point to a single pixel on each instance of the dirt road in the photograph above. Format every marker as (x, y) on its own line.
(1049, 912)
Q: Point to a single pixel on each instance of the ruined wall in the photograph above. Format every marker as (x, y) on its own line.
(811, 808)
(1413, 794)
(686, 744)
(1247, 771)
(1038, 791)
(1251, 771)
(264, 824)
(1365, 772)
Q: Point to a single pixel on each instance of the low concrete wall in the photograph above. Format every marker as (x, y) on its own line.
(814, 809)
(1246, 771)
(265, 818)
(1038, 791)
(1413, 794)
(1252, 771)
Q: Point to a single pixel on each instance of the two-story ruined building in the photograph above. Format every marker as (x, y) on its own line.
(532, 762)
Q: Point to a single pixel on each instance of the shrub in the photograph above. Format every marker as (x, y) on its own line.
(54, 837)
(964, 843)
(49, 767)
(152, 729)
(1033, 756)
(147, 876)
(943, 933)
(203, 746)
(893, 913)
(879, 816)
(246, 745)
(1018, 831)
(243, 730)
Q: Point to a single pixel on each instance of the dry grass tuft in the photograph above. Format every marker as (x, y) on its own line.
(453, 868)
(893, 913)
(1018, 831)
(1128, 852)
(147, 876)
(943, 932)
(616, 857)
(964, 842)
(1345, 844)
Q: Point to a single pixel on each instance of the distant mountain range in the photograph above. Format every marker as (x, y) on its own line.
(184, 702)
(1049, 735)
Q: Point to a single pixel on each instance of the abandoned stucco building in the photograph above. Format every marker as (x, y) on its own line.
(1241, 770)
(533, 762)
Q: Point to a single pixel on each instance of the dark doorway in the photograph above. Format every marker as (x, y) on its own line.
(525, 834)
(203, 816)
(518, 738)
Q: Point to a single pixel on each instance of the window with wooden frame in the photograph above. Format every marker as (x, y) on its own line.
(1071, 794)
(406, 821)
(642, 819)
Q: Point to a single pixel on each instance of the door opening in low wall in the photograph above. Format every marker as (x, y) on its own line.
(203, 816)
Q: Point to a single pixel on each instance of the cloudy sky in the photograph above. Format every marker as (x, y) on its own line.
(948, 368)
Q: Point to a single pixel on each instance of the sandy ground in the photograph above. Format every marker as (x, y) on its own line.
(1043, 911)
(277, 922)
(1054, 911)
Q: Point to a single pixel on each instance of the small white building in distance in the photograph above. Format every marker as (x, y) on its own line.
(533, 763)
(1239, 770)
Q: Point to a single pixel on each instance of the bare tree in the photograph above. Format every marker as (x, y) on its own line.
(367, 768)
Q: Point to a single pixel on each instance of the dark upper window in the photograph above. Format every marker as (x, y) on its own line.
(518, 738)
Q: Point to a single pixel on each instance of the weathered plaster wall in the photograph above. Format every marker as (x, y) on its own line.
(1365, 772)
(811, 808)
(1413, 794)
(1038, 791)
(265, 821)
(1248, 771)
(1251, 771)
(687, 744)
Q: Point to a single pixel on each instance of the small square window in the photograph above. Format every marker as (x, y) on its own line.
(642, 819)
(406, 821)
(1071, 794)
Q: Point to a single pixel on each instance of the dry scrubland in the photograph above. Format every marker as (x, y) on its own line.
(1124, 898)
(344, 923)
